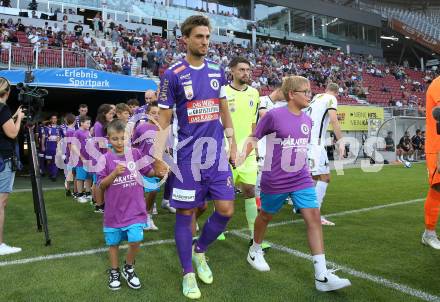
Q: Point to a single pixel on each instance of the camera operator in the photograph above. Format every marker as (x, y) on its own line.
(9, 130)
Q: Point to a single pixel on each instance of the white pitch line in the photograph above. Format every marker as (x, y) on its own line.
(343, 213)
(167, 241)
(79, 253)
(373, 278)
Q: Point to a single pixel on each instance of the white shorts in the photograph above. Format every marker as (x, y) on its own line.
(318, 160)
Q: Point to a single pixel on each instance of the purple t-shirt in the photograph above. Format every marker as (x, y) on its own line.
(83, 136)
(146, 134)
(124, 198)
(195, 93)
(98, 131)
(286, 168)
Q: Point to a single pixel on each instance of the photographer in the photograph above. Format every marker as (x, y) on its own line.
(8, 132)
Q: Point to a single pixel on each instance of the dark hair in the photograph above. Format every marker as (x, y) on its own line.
(194, 21)
(116, 125)
(121, 107)
(152, 104)
(84, 118)
(102, 111)
(70, 118)
(418, 131)
(237, 60)
(83, 106)
(133, 102)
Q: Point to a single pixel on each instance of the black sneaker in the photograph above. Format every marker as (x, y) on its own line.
(114, 279)
(99, 209)
(68, 193)
(130, 275)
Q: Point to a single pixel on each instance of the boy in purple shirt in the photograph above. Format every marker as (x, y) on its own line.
(286, 173)
(83, 177)
(125, 212)
(194, 88)
(143, 138)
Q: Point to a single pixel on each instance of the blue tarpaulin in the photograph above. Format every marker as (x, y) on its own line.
(81, 78)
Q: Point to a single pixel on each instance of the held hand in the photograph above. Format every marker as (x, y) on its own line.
(341, 150)
(241, 158)
(161, 168)
(232, 154)
(19, 113)
(120, 169)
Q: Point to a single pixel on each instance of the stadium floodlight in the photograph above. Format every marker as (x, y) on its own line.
(389, 38)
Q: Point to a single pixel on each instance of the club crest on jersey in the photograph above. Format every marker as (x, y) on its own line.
(215, 84)
(251, 103)
(189, 93)
(305, 129)
(131, 166)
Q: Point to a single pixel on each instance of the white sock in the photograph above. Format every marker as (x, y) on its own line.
(430, 232)
(319, 264)
(255, 246)
(321, 188)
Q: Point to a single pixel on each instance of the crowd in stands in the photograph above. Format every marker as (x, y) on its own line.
(359, 77)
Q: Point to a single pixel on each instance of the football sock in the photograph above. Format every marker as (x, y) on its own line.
(319, 264)
(183, 238)
(251, 213)
(321, 188)
(432, 208)
(213, 227)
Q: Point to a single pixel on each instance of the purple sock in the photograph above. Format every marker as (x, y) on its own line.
(183, 237)
(213, 227)
(53, 169)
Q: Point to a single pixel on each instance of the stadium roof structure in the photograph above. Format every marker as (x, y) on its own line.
(80, 78)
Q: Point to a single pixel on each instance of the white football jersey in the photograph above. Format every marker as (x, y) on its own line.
(266, 103)
(318, 112)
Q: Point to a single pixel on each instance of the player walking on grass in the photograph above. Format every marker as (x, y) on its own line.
(195, 88)
(288, 133)
(322, 111)
(432, 150)
(125, 212)
(243, 103)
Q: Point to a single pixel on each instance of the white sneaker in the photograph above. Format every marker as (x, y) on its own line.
(328, 281)
(166, 206)
(82, 199)
(6, 249)
(257, 261)
(431, 240)
(326, 222)
(151, 226)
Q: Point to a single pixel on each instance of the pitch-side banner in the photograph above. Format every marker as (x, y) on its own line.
(355, 118)
(416, 35)
(81, 78)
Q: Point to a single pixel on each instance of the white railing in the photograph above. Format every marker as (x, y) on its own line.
(14, 56)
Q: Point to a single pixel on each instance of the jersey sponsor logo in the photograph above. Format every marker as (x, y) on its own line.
(187, 83)
(164, 91)
(184, 195)
(186, 76)
(189, 93)
(214, 75)
(305, 129)
(215, 84)
(201, 111)
(291, 142)
(213, 66)
(179, 69)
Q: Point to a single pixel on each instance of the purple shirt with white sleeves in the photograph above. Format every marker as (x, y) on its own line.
(286, 168)
(195, 93)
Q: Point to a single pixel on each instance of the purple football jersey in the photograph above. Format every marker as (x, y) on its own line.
(195, 94)
(53, 134)
(286, 168)
(124, 198)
